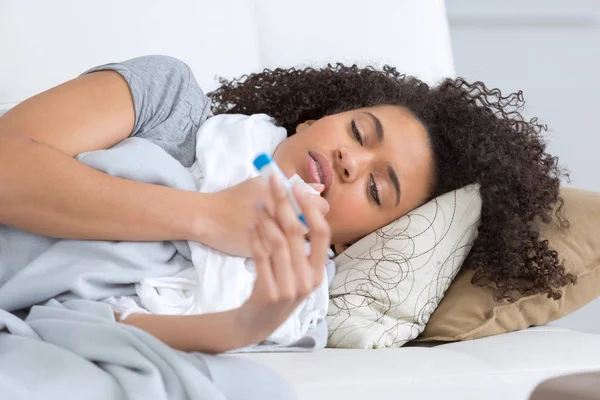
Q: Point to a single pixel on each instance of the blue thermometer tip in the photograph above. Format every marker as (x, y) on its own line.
(302, 219)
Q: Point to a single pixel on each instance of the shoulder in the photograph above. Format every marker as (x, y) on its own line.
(161, 65)
(159, 76)
(151, 64)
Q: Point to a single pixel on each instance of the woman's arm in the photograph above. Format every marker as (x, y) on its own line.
(206, 333)
(44, 190)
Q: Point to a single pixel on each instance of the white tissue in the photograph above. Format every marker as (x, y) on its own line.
(296, 181)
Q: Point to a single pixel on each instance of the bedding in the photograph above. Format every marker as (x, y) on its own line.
(225, 148)
(75, 350)
(64, 282)
(98, 270)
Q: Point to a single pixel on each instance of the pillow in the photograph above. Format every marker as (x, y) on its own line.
(387, 284)
(469, 312)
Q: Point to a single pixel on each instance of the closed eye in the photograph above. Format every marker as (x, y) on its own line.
(356, 133)
(373, 190)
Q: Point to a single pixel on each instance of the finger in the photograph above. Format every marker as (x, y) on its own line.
(320, 235)
(312, 200)
(264, 273)
(276, 245)
(285, 214)
(294, 231)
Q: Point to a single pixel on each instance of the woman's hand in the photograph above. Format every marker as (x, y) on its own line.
(285, 274)
(232, 211)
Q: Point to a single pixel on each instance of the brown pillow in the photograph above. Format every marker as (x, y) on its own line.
(469, 312)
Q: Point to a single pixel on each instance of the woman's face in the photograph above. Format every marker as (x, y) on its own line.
(376, 165)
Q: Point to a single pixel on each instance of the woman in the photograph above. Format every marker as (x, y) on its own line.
(378, 142)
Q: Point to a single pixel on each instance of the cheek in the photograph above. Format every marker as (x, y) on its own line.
(328, 132)
(349, 215)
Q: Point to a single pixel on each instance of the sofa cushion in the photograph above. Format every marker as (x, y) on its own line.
(502, 367)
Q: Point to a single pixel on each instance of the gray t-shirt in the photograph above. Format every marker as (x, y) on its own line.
(169, 104)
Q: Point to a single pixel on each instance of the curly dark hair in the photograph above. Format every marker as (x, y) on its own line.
(477, 136)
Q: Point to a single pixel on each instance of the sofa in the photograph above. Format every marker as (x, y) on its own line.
(240, 36)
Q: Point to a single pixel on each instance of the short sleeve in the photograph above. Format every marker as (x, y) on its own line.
(169, 104)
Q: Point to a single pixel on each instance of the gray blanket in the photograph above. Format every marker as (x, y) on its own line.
(58, 341)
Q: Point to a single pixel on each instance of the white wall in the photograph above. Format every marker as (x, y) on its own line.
(551, 50)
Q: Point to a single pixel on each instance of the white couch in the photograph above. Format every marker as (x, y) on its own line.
(44, 43)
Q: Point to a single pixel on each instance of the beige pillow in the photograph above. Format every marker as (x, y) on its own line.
(469, 312)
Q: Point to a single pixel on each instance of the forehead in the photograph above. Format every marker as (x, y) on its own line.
(398, 120)
(406, 147)
(404, 134)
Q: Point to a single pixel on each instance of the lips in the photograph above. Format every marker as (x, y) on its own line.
(319, 169)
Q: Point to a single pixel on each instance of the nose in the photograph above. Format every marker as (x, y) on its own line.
(349, 163)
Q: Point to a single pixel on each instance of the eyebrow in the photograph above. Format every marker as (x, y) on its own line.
(391, 173)
(378, 127)
(395, 182)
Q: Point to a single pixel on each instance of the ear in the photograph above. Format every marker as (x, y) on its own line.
(304, 125)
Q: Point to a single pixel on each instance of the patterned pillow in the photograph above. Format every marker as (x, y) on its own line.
(388, 284)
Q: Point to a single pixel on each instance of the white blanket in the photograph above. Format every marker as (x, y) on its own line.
(226, 147)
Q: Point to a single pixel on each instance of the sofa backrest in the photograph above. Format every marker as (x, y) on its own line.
(43, 43)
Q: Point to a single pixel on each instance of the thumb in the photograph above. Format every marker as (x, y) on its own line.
(319, 187)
